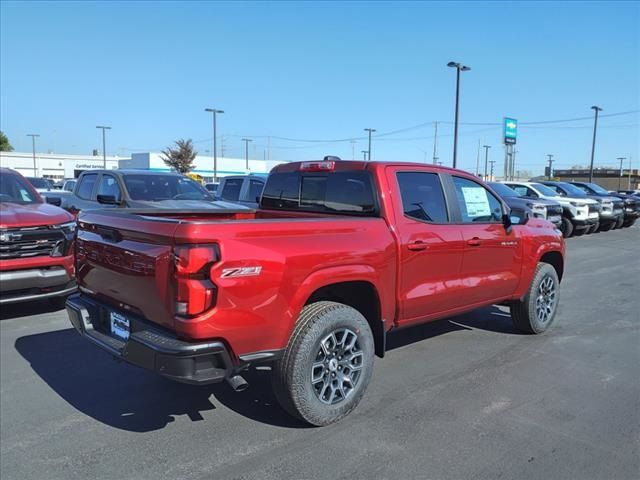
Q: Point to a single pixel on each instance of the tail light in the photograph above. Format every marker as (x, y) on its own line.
(195, 292)
(324, 166)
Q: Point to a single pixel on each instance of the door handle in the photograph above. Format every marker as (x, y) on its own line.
(474, 242)
(418, 245)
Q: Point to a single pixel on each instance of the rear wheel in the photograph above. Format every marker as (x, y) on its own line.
(537, 310)
(327, 365)
(566, 228)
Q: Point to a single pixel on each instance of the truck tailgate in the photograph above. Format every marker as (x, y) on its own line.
(121, 263)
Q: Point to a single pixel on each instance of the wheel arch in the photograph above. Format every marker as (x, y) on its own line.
(556, 260)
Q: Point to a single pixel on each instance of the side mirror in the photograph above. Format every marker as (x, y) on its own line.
(107, 200)
(516, 216)
(57, 201)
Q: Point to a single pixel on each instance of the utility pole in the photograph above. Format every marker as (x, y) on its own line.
(478, 159)
(370, 130)
(593, 145)
(459, 67)
(104, 145)
(214, 113)
(435, 143)
(33, 144)
(269, 147)
(491, 174)
(364, 154)
(486, 158)
(551, 160)
(222, 146)
(246, 152)
(353, 149)
(622, 159)
(629, 184)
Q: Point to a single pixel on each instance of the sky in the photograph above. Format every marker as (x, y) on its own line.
(285, 72)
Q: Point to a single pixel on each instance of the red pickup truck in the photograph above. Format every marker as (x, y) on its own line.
(36, 239)
(338, 254)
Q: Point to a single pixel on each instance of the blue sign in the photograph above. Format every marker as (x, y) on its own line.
(510, 130)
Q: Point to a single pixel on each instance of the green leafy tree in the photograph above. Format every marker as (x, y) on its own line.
(5, 146)
(180, 157)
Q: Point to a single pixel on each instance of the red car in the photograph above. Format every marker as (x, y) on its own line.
(338, 255)
(36, 238)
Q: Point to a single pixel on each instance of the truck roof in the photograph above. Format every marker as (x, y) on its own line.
(361, 165)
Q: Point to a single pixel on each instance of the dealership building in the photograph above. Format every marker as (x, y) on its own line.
(607, 178)
(58, 166)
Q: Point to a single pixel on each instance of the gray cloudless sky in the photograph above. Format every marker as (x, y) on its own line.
(323, 71)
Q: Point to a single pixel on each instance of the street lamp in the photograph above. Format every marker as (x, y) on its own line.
(215, 140)
(551, 160)
(104, 145)
(364, 155)
(486, 157)
(370, 130)
(246, 151)
(33, 144)
(459, 68)
(593, 145)
(491, 174)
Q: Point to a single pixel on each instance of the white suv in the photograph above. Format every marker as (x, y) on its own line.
(579, 214)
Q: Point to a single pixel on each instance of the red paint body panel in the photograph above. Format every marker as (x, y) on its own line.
(127, 260)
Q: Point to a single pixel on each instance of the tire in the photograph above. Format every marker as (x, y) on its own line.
(566, 228)
(629, 223)
(302, 377)
(607, 226)
(58, 302)
(619, 223)
(595, 228)
(536, 312)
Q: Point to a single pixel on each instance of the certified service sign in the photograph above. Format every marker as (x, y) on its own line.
(510, 130)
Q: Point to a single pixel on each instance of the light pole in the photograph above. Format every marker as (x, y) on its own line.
(622, 159)
(459, 68)
(364, 155)
(370, 130)
(593, 145)
(215, 141)
(104, 145)
(486, 158)
(551, 160)
(491, 174)
(435, 143)
(246, 151)
(33, 144)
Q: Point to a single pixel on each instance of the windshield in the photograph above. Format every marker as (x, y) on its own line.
(15, 189)
(502, 190)
(164, 187)
(572, 190)
(38, 182)
(544, 190)
(597, 188)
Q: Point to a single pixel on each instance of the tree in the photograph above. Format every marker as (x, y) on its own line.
(5, 146)
(181, 157)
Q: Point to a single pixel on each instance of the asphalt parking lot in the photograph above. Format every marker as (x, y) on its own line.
(455, 399)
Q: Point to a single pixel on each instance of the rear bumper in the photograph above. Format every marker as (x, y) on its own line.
(35, 283)
(151, 348)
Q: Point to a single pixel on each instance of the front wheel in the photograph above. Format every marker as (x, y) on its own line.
(537, 310)
(629, 223)
(566, 228)
(327, 365)
(619, 223)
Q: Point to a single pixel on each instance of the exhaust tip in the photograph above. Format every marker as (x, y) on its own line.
(238, 383)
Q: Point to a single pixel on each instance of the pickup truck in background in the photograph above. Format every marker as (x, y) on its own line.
(36, 238)
(579, 214)
(339, 254)
(139, 189)
(243, 189)
(629, 204)
(539, 207)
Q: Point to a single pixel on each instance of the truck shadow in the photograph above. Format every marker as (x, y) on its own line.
(26, 309)
(129, 398)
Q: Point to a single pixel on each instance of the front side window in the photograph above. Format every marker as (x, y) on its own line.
(86, 185)
(109, 186)
(476, 203)
(422, 196)
(255, 189)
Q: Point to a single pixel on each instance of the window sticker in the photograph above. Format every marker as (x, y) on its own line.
(476, 201)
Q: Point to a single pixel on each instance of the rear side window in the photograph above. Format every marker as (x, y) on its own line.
(335, 192)
(422, 196)
(231, 189)
(476, 203)
(86, 185)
